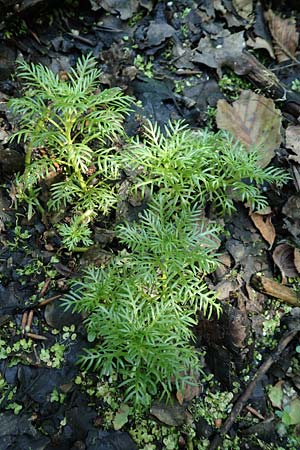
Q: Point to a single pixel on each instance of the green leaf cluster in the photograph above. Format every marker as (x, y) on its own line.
(198, 166)
(142, 307)
(70, 127)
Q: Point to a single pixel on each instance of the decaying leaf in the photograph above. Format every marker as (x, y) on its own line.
(283, 257)
(170, 414)
(253, 120)
(263, 223)
(121, 416)
(259, 42)
(238, 329)
(276, 394)
(125, 9)
(190, 390)
(294, 411)
(284, 35)
(216, 56)
(292, 208)
(156, 34)
(297, 259)
(293, 141)
(243, 7)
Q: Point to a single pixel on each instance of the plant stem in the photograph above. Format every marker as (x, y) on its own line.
(68, 133)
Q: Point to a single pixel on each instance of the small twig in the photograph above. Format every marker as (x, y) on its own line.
(37, 337)
(274, 289)
(35, 36)
(244, 397)
(24, 321)
(29, 321)
(255, 412)
(45, 287)
(82, 39)
(287, 66)
(48, 300)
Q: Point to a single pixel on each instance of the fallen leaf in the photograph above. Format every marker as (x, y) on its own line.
(244, 8)
(294, 411)
(297, 259)
(292, 135)
(157, 33)
(170, 414)
(238, 329)
(259, 42)
(190, 390)
(215, 56)
(285, 36)
(292, 208)
(125, 9)
(283, 257)
(253, 120)
(276, 394)
(264, 224)
(121, 416)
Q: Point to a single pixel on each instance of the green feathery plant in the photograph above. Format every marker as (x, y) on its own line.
(198, 166)
(170, 241)
(142, 306)
(69, 128)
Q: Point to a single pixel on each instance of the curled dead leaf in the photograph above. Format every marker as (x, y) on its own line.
(263, 223)
(259, 42)
(283, 257)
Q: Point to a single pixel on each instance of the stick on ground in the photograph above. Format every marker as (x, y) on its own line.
(244, 397)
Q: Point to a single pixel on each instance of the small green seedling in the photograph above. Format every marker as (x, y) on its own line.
(142, 306)
(69, 128)
(199, 166)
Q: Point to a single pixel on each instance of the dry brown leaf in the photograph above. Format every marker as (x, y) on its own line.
(297, 259)
(253, 120)
(283, 257)
(284, 35)
(293, 141)
(190, 390)
(259, 42)
(244, 8)
(263, 223)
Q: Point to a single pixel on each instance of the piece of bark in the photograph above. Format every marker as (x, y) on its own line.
(249, 66)
(274, 289)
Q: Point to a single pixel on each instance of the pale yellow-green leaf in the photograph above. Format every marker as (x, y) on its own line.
(121, 416)
(295, 411)
(276, 394)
